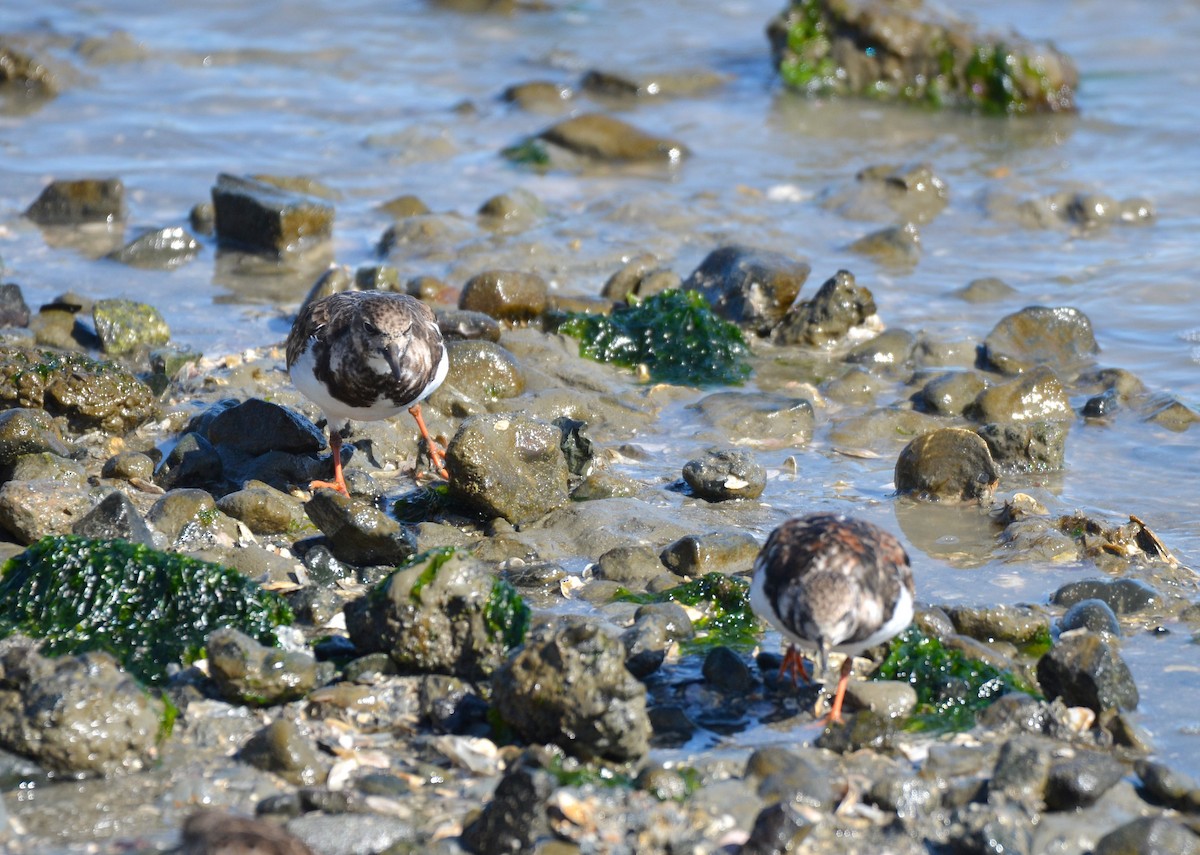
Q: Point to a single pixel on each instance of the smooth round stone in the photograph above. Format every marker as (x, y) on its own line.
(888, 698)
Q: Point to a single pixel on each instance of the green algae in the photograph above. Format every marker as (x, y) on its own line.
(674, 334)
(149, 609)
(727, 621)
(951, 687)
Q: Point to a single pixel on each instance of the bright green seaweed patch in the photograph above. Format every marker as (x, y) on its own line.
(148, 608)
(576, 773)
(725, 600)
(673, 333)
(951, 688)
(507, 614)
(435, 558)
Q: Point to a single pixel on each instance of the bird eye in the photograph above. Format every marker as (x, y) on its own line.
(370, 328)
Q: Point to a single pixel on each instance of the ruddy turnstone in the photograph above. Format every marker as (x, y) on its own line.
(366, 355)
(831, 583)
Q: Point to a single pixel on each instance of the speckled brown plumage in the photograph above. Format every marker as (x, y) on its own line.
(215, 832)
(828, 582)
(365, 356)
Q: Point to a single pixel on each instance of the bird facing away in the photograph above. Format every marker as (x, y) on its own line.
(365, 356)
(831, 583)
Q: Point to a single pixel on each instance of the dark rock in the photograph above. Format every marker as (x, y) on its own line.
(14, 311)
(577, 447)
(629, 565)
(894, 246)
(615, 84)
(1060, 338)
(1162, 785)
(599, 137)
(671, 726)
(258, 217)
(86, 200)
(517, 817)
(247, 672)
(1091, 614)
(358, 532)
(773, 421)
(1101, 406)
(1149, 835)
(569, 686)
(377, 277)
(1084, 670)
(457, 324)
(907, 795)
(511, 212)
(192, 462)
(978, 829)
(508, 465)
(837, 308)
(436, 616)
(283, 749)
(1012, 623)
(209, 831)
(778, 828)
(1026, 446)
(1021, 772)
(540, 96)
(452, 706)
(164, 249)
(507, 295)
(949, 464)
(75, 714)
(751, 287)
(25, 430)
(255, 427)
(950, 394)
(725, 474)
(1124, 596)
(1080, 781)
(1035, 395)
(803, 776)
(698, 554)
(184, 514)
(727, 672)
(115, 517)
(88, 393)
(125, 325)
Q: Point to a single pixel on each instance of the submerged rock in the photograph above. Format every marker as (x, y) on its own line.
(595, 136)
(569, 686)
(508, 465)
(443, 614)
(749, 286)
(85, 200)
(75, 714)
(164, 249)
(258, 217)
(759, 419)
(912, 53)
(948, 464)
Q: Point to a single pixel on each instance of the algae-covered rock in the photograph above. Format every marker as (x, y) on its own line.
(125, 325)
(75, 714)
(149, 609)
(570, 687)
(88, 393)
(907, 52)
(674, 334)
(85, 200)
(443, 613)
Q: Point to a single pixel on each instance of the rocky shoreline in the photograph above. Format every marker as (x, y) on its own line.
(396, 721)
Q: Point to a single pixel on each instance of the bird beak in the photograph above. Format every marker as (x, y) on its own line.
(394, 356)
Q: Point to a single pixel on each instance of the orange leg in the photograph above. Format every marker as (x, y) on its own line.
(835, 714)
(793, 663)
(339, 482)
(434, 451)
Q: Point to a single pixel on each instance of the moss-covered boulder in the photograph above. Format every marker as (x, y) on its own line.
(149, 609)
(908, 52)
(125, 325)
(443, 613)
(88, 393)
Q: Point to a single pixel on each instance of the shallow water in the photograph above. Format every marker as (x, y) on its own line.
(379, 99)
